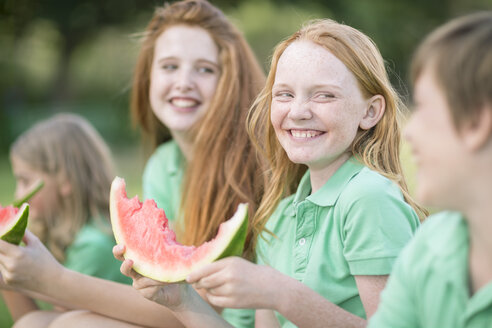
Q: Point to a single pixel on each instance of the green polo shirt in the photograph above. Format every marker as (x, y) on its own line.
(429, 286)
(162, 181)
(162, 178)
(356, 224)
(91, 253)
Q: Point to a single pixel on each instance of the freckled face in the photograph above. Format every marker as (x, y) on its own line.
(184, 76)
(317, 105)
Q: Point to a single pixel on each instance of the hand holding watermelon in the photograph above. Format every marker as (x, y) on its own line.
(171, 295)
(151, 244)
(234, 282)
(29, 267)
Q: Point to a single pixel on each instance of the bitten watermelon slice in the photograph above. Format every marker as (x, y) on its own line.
(13, 223)
(151, 244)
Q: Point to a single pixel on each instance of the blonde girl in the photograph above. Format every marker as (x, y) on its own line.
(326, 251)
(194, 81)
(70, 213)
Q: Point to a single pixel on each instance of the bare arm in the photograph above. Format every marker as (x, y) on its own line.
(198, 313)
(266, 319)
(370, 288)
(18, 304)
(306, 308)
(236, 283)
(111, 299)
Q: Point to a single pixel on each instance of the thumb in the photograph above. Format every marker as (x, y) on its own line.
(30, 238)
(202, 272)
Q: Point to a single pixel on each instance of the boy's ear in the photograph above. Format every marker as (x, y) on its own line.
(374, 111)
(477, 133)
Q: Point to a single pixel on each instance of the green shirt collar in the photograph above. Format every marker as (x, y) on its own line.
(331, 190)
(177, 159)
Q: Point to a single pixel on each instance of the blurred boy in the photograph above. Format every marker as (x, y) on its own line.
(444, 277)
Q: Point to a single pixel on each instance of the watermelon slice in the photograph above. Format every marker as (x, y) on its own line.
(151, 244)
(13, 223)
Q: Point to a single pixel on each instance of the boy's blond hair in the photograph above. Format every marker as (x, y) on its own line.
(460, 55)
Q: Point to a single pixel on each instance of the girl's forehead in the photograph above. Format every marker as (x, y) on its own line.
(306, 60)
(186, 41)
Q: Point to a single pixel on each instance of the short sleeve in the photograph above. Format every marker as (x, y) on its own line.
(378, 223)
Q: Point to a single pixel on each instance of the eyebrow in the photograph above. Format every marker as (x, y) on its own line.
(316, 86)
(200, 60)
(20, 176)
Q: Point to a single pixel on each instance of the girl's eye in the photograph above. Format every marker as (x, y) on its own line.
(169, 67)
(326, 96)
(206, 70)
(284, 95)
(23, 181)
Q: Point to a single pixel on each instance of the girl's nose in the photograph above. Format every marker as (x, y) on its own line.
(184, 80)
(300, 110)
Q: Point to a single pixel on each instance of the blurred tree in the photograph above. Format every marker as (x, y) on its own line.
(57, 53)
(75, 21)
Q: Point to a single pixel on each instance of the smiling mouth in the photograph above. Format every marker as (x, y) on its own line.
(305, 134)
(184, 103)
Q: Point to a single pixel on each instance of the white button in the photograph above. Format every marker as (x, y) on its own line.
(302, 241)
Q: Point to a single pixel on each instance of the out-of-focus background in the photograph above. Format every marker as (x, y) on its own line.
(78, 56)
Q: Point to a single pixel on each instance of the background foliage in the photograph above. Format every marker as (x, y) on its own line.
(78, 56)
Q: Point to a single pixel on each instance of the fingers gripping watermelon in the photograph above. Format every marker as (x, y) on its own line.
(151, 244)
(13, 223)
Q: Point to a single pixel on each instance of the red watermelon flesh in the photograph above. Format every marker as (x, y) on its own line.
(6, 213)
(151, 244)
(13, 222)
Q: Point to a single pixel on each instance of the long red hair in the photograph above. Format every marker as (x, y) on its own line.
(224, 170)
(378, 148)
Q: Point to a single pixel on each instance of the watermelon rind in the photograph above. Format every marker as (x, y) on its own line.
(236, 246)
(229, 243)
(14, 231)
(32, 192)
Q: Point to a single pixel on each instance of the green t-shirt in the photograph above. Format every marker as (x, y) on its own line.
(91, 253)
(163, 176)
(162, 181)
(429, 286)
(355, 224)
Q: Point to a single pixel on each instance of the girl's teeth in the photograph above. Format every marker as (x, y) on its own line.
(184, 103)
(305, 134)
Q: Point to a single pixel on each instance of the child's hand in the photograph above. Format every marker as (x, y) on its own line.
(173, 296)
(30, 267)
(236, 283)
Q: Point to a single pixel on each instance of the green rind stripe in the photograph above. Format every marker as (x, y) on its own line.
(37, 187)
(14, 235)
(236, 245)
